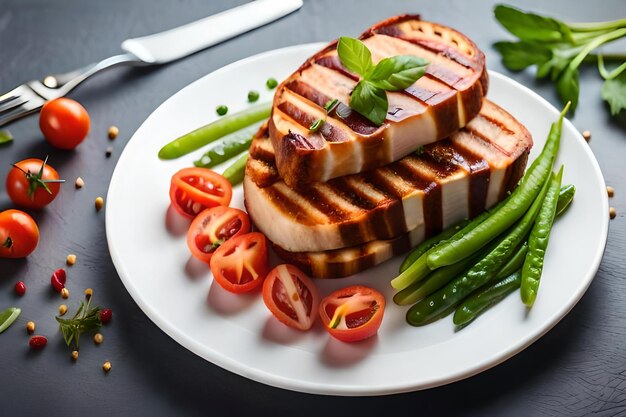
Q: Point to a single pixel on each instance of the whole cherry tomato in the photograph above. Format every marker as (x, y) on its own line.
(64, 123)
(32, 183)
(19, 234)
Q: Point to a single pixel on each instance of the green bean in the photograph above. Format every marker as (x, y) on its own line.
(485, 298)
(538, 242)
(7, 317)
(503, 218)
(230, 147)
(565, 198)
(514, 263)
(419, 269)
(235, 172)
(478, 275)
(215, 130)
(437, 279)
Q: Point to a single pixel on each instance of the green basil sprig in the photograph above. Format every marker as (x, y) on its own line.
(369, 97)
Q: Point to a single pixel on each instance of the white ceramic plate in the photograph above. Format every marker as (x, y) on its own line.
(239, 334)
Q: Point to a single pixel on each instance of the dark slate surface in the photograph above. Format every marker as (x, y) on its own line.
(578, 368)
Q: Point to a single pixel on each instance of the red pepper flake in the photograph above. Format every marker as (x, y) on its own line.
(20, 288)
(58, 279)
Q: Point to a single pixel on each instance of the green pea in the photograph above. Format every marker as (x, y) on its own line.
(253, 96)
(271, 83)
(221, 110)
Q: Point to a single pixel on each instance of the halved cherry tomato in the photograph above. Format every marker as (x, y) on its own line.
(19, 234)
(32, 183)
(214, 226)
(353, 313)
(64, 123)
(241, 263)
(195, 189)
(291, 296)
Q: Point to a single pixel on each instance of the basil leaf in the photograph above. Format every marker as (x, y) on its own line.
(614, 93)
(370, 101)
(568, 88)
(532, 27)
(517, 56)
(354, 55)
(397, 73)
(5, 136)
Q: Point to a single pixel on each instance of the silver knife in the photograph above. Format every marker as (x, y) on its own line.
(156, 49)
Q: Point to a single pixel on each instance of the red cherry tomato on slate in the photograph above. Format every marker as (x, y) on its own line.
(32, 183)
(353, 313)
(195, 189)
(37, 342)
(291, 296)
(214, 226)
(20, 288)
(19, 234)
(241, 263)
(64, 123)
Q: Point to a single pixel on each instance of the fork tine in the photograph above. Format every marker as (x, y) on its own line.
(11, 103)
(18, 112)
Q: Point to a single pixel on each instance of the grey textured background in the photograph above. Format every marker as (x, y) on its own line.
(578, 368)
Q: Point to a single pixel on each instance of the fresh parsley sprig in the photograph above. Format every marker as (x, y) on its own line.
(85, 320)
(369, 97)
(558, 49)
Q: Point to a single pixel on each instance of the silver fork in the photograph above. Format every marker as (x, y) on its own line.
(159, 48)
(29, 97)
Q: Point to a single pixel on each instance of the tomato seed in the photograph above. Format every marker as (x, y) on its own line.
(20, 288)
(37, 342)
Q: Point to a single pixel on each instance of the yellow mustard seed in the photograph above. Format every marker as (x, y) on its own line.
(70, 260)
(113, 132)
(98, 338)
(65, 293)
(612, 212)
(88, 293)
(74, 355)
(99, 203)
(79, 183)
(587, 135)
(62, 309)
(610, 191)
(30, 327)
(106, 367)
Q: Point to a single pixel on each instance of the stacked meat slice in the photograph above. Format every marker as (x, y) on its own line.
(352, 195)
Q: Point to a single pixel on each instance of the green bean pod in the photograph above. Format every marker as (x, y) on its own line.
(437, 279)
(420, 249)
(565, 198)
(538, 242)
(503, 218)
(514, 263)
(481, 273)
(214, 131)
(485, 298)
(235, 172)
(230, 147)
(419, 269)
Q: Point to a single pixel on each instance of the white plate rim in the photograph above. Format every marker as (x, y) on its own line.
(225, 362)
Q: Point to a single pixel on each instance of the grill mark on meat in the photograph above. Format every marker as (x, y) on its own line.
(497, 123)
(486, 139)
(326, 204)
(333, 62)
(352, 119)
(288, 206)
(442, 49)
(478, 168)
(304, 119)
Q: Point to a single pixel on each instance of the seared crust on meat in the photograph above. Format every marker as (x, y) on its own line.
(447, 181)
(445, 99)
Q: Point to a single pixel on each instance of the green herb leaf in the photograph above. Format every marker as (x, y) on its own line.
(330, 105)
(567, 86)
(354, 55)
(614, 93)
(85, 320)
(397, 73)
(517, 56)
(370, 101)
(7, 317)
(5, 137)
(532, 27)
(316, 125)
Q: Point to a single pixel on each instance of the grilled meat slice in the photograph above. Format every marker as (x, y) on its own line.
(449, 180)
(439, 103)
